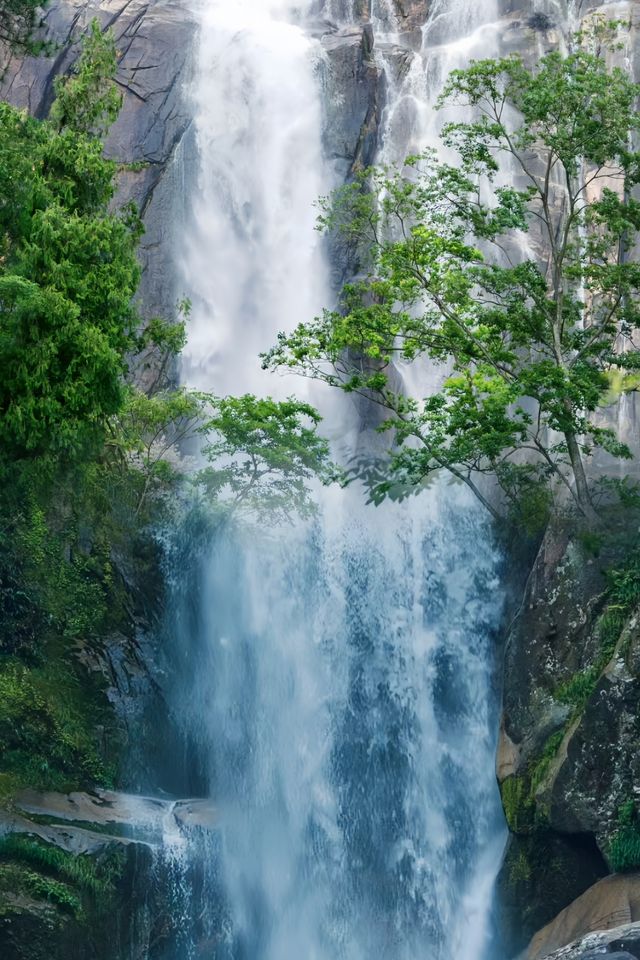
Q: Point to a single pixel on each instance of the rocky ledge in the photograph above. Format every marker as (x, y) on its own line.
(90, 874)
(620, 943)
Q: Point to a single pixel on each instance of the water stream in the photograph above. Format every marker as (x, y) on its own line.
(337, 677)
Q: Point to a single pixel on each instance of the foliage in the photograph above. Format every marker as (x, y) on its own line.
(520, 292)
(52, 890)
(624, 847)
(157, 347)
(68, 275)
(624, 583)
(97, 877)
(47, 726)
(262, 455)
(88, 101)
(79, 885)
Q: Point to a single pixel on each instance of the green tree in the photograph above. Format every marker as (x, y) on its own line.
(526, 293)
(89, 101)
(263, 455)
(68, 274)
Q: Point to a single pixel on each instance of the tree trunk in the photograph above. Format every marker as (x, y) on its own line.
(582, 487)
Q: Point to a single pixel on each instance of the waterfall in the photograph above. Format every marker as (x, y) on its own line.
(252, 260)
(336, 679)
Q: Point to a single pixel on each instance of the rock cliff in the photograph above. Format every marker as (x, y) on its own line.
(568, 761)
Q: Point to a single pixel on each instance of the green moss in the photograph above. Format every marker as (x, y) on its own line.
(540, 768)
(516, 802)
(77, 886)
(577, 691)
(519, 869)
(522, 809)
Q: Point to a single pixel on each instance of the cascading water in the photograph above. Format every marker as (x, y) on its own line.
(337, 676)
(252, 258)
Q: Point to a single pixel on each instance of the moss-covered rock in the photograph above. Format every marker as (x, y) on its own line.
(540, 871)
(54, 904)
(571, 724)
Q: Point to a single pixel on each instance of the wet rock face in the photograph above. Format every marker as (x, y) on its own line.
(568, 760)
(409, 14)
(353, 100)
(412, 13)
(154, 42)
(130, 908)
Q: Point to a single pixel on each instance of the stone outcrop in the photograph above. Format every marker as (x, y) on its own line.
(354, 98)
(126, 817)
(568, 760)
(621, 943)
(122, 840)
(154, 42)
(613, 902)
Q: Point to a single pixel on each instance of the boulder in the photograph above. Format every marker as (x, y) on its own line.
(610, 903)
(619, 943)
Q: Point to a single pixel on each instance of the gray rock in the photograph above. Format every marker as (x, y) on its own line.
(564, 771)
(621, 943)
(354, 95)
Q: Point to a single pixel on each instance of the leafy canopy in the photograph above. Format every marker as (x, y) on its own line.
(68, 273)
(511, 268)
(89, 102)
(263, 454)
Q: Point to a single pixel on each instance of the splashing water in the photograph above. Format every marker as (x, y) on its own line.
(341, 694)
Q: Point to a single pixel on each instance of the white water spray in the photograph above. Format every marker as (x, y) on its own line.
(252, 261)
(342, 695)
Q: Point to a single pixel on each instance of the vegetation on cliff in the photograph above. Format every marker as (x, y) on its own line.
(17, 21)
(89, 461)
